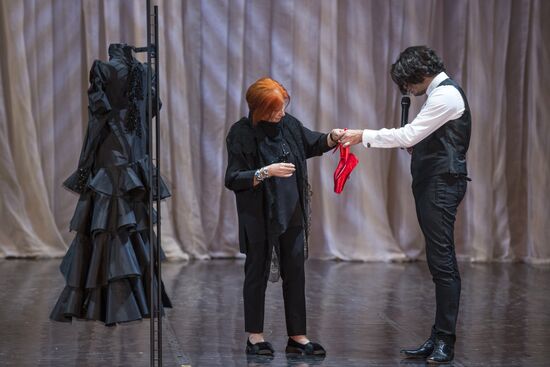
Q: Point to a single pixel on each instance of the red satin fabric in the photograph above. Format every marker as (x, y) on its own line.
(347, 163)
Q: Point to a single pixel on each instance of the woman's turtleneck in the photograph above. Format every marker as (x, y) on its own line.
(121, 51)
(271, 129)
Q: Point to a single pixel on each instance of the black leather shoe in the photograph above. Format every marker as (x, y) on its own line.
(443, 353)
(261, 348)
(424, 351)
(309, 349)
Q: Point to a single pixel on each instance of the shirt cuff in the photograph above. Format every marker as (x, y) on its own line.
(369, 137)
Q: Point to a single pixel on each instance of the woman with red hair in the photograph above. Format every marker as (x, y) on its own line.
(267, 170)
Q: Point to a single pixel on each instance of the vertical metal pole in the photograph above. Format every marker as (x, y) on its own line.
(150, 198)
(157, 132)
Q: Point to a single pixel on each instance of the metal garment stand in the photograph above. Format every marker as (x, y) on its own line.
(155, 300)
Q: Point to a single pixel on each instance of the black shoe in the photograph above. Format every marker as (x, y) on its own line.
(443, 353)
(260, 349)
(309, 349)
(424, 351)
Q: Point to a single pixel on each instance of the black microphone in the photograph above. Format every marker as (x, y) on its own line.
(405, 103)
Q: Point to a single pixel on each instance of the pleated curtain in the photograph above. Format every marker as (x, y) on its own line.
(334, 58)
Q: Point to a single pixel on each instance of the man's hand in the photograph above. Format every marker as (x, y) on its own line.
(334, 137)
(351, 137)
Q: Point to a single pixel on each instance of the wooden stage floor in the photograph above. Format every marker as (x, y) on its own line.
(363, 313)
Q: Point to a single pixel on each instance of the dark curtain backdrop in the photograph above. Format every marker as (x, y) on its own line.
(334, 58)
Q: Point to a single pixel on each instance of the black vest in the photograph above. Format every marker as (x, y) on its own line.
(444, 151)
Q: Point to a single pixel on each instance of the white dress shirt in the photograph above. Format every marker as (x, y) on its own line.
(443, 104)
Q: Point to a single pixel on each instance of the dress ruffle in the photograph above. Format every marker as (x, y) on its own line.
(96, 212)
(106, 268)
(114, 288)
(117, 180)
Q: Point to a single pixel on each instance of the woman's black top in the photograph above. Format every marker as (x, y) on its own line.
(275, 149)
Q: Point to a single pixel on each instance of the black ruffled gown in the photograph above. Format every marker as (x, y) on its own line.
(106, 268)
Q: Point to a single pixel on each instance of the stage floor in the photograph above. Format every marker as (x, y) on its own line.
(363, 314)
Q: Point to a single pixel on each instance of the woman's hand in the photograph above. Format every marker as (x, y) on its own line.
(334, 136)
(276, 170)
(280, 170)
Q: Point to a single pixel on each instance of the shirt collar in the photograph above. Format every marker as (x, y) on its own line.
(436, 81)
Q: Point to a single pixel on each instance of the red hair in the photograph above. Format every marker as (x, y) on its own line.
(265, 97)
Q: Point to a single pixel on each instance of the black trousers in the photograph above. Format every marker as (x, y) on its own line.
(292, 274)
(437, 199)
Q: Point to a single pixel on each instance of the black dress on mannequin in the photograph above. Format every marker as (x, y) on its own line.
(106, 268)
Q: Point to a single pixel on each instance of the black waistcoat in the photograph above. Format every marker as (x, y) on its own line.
(444, 151)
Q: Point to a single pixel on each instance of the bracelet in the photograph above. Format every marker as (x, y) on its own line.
(261, 174)
(331, 138)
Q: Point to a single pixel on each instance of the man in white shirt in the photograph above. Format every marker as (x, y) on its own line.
(439, 137)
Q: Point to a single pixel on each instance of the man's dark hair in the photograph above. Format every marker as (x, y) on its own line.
(414, 64)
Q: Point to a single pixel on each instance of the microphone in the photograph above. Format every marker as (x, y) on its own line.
(405, 103)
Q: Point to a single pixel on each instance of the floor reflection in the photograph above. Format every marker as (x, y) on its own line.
(255, 360)
(294, 361)
(362, 313)
(417, 363)
(305, 361)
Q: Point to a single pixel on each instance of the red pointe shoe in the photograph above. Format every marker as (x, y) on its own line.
(347, 163)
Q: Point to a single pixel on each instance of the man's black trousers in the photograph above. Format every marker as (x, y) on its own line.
(291, 264)
(437, 199)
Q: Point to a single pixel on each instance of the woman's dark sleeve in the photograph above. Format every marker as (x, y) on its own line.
(98, 109)
(315, 143)
(239, 176)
